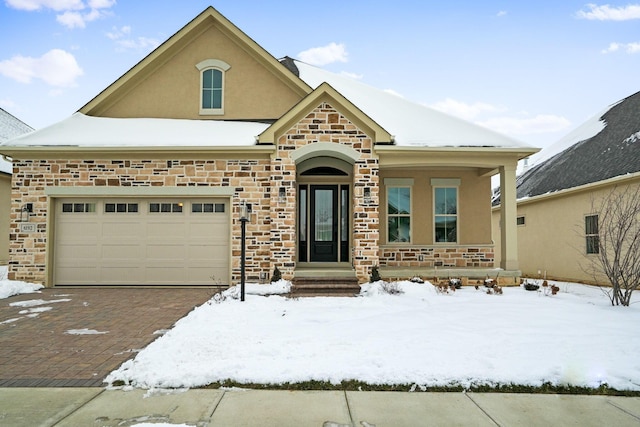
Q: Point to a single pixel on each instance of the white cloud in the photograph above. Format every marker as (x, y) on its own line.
(464, 110)
(333, 52)
(57, 5)
(122, 38)
(501, 13)
(608, 13)
(628, 47)
(498, 118)
(74, 12)
(542, 123)
(56, 68)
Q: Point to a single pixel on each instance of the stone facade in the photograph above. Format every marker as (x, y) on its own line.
(448, 257)
(271, 233)
(326, 125)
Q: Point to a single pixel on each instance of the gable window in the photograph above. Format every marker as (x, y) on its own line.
(398, 210)
(212, 77)
(445, 210)
(591, 234)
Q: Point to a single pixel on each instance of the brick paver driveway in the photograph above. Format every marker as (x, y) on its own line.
(75, 336)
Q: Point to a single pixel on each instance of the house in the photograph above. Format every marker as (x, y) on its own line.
(145, 184)
(556, 223)
(10, 127)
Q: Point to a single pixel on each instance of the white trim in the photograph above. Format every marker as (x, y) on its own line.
(139, 191)
(325, 149)
(212, 63)
(445, 182)
(398, 182)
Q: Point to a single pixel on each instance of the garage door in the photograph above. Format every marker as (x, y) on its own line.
(141, 241)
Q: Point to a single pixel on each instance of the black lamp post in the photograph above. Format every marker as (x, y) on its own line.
(245, 211)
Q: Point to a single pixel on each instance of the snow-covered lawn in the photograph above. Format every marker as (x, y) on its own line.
(418, 337)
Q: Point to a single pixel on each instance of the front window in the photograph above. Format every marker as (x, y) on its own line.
(399, 214)
(591, 233)
(446, 214)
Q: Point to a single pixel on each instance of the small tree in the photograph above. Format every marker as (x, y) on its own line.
(618, 242)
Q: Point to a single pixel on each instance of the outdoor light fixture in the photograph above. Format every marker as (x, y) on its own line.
(367, 195)
(245, 215)
(25, 212)
(282, 194)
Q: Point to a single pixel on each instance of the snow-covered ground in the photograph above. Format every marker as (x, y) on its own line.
(13, 287)
(419, 337)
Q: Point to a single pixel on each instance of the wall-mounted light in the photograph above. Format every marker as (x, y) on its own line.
(282, 194)
(25, 212)
(367, 195)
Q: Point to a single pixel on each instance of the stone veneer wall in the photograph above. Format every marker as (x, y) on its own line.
(249, 178)
(465, 256)
(325, 124)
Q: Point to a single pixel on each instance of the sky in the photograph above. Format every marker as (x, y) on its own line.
(531, 70)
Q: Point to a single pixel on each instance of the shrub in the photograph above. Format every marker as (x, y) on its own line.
(277, 275)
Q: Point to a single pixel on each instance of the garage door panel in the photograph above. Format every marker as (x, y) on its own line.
(122, 229)
(141, 247)
(166, 251)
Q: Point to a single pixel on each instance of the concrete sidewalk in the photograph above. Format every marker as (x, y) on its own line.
(264, 408)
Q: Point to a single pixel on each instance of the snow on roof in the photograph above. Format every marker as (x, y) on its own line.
(80, 130)
(411, 124)
(10, 127)
(587, 130)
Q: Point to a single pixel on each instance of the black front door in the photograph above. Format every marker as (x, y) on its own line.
(323, 230)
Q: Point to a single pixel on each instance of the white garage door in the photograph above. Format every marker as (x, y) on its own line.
(167, 241)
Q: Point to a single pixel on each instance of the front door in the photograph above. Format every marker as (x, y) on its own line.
(326, 239)
(324, 223)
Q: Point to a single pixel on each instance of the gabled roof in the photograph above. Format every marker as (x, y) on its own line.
(325, 93)
(411, 124)
(614, 150)
(187, 33)
(10, 127)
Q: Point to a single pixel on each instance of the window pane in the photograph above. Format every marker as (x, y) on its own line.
(165, 207)
(219, 207)
(445, 201)
(206, 98)
(344, 214)
(90, 207)
(399, 229)
(110, 207)
(132, 207)
(324, 215)
(593, 246)
(216, 79)
(446, 228)
(177, 207)
(207, 79)
(591, 224)
(67, 207)
(303, 214)
(121, 207)
(154, 207)
(399, 200)
(217, 99)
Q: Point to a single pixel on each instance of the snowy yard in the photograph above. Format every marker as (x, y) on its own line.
(419, 337)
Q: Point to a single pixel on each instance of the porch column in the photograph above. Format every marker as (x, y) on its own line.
(508, 213)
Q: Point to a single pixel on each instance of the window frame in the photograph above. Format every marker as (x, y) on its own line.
(445, 183)
(592, 238)
(399, 184)
(218, 65)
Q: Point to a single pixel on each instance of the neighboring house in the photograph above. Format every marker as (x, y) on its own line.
(146, 183)
(556, 196)
(10, 127)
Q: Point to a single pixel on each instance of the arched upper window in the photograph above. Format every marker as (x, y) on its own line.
(212, 73)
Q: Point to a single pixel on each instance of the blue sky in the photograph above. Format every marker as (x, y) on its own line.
(531, 70)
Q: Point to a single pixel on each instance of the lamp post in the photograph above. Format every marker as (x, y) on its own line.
(245, 211)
